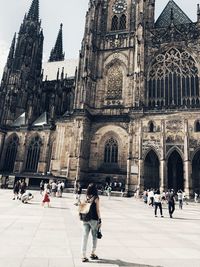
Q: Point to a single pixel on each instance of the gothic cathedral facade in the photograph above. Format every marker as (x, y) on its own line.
(131, 113)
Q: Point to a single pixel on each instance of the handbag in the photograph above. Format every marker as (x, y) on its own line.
(84, 211)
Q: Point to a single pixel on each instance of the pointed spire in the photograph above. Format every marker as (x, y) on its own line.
(57, 52)
(12, 48)
(198, 12)
(33, 13)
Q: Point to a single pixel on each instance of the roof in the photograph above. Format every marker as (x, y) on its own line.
(179, 17)
(42, 120)
(51, 68)
(21, 120)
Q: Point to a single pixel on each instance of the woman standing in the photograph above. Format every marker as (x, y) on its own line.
(93, 224)
(157, 203)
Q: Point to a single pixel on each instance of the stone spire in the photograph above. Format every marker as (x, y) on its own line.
(33, 13)
(57, 52)
(11, 52)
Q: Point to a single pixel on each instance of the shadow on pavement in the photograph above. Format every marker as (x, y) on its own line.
(123, 263)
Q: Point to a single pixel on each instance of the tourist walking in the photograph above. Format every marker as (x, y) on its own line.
(195, 197)
(108, 191)
(41, 187)
(180, 198)
(92, 224)
(151, 197)
(157, 203)
(16, 190)
(171, 202)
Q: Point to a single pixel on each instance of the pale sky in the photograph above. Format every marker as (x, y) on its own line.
(53, 12)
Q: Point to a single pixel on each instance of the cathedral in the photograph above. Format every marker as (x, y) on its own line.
(130, 113)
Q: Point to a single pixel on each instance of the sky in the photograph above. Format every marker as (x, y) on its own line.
(53, 12)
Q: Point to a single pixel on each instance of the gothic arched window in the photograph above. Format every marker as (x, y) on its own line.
(115, 82)
(11, 153)
(122, 22)
(197, 126)
(33, 154)
(111, 151)
(115, 22)
(151, 127)
(173, 80)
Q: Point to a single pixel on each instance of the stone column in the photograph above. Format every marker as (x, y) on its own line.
(162, 158)
(187, 163)
(129, 160)
(141, 161)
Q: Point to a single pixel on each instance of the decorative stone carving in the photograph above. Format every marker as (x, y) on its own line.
(149, 144)
(174, 125)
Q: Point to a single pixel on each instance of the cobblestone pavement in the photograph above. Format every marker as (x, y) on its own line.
(34, 236)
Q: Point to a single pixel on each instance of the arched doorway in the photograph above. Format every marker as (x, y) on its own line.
(151, 171)
(196, 173)
(175, 171)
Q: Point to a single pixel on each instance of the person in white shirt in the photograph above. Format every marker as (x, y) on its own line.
(151, 197)
(180, 198)
(157, 203)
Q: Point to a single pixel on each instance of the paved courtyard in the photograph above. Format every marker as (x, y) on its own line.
(33, 236)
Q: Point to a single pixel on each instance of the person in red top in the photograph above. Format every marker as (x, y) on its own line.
(46, 199)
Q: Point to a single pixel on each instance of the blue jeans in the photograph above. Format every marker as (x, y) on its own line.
(87, 226)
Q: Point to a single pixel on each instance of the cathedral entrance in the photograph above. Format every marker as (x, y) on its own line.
(196, 173)
(151, 171)
(175, 172)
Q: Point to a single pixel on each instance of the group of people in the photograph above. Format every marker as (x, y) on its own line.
(156, 199)
(54, 188)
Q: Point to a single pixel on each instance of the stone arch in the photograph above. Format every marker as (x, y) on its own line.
(151, 126)
(33, 152)
(115, 81)
(97, 148)
(197, 126)
(196, 171)
(10, 152)
(151, 169)
(175, 169)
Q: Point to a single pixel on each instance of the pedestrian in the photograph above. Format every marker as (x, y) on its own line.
(41, 187)
(53, 188)
(171, 202)
(79, 191)
(92, 224)
(180, 198)
(46, 198)
(23, 187)
(195, 197)
(59, 190)
(108, 191)
(16, 190)
(151, 197)
(145, 196)
(157, 202)
(185, 198)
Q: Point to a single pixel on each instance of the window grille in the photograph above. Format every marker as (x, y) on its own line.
(115, 82)
(111, 151)
(33, 154)
(11, 153)
(173, 80)
(118, 23)
(115, 22)
(122, 23)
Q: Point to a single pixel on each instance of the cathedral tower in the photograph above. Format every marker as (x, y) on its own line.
(112, 55)
(22, 74)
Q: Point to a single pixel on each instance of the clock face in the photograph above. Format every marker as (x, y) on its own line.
(119, 6)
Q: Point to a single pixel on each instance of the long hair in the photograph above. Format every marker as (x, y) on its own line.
(92, 190)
